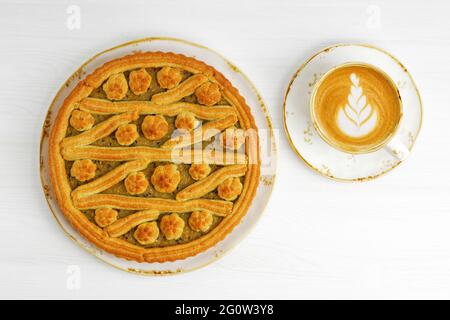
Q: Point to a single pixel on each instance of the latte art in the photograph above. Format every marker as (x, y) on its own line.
(357, 118)
(356, 108)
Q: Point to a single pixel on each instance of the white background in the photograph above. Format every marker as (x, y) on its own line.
(389, 238)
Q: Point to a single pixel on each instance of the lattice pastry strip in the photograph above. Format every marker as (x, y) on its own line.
(202, 187)
(205, 132)
(99, 131)
(122, 226)
(217, 207)
(185, 89)
(105, 107)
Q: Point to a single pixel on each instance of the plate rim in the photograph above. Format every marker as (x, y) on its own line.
(294, 77)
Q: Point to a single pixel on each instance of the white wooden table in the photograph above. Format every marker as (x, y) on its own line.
(389, 238)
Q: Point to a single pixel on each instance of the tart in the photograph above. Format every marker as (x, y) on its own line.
(139, 161)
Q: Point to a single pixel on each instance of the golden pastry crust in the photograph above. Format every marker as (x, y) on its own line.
(172, 226)
(200, 221)
(136, 183)
(208, 93)
(166, 178)
(232, 138)
(92, 195)
(168, 78)
(199, 171)
(154, 127)
(81, 120)
(105, 216)
(116, 87)
(230, 189)
(185, 121)
(146, 233)
(126, 134)
(83, 170)
(139, 81)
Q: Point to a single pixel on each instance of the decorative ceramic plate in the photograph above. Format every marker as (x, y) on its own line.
(151, 156)
(317, 153)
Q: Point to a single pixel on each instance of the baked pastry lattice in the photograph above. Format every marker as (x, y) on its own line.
(138, 161)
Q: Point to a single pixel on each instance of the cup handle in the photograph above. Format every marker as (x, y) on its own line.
(398, 149)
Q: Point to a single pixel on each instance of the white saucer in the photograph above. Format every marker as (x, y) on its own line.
(306, 141)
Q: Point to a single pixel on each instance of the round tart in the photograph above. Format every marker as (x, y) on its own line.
(135, 161)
